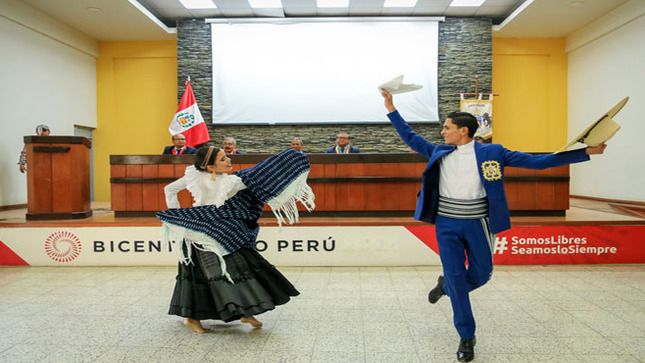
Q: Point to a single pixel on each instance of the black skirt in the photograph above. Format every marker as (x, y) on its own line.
(203, 292)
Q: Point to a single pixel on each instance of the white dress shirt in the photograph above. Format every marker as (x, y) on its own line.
(459, 174)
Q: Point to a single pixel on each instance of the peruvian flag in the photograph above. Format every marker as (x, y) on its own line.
(189, 121)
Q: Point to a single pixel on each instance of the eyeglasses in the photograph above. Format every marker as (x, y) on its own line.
(343, 137)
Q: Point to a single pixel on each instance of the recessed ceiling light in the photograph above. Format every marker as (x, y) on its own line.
(467, 3)
(92, 9)
(198, 4)
(575, 4)
(265, 4)
(400, 3)
(333, 3)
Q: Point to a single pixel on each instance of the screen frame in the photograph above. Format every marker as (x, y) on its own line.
(318, 20)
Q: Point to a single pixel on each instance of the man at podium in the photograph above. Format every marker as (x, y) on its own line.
(41, 130)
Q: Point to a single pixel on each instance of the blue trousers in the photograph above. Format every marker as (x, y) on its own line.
(458, 238)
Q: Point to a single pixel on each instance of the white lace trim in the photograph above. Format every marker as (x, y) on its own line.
(284, 205)
(207, 191)
(187, 238)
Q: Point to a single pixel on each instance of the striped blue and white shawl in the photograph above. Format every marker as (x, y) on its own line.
(280, 181)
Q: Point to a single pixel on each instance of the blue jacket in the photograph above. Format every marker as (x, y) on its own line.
(352, 150)
(491, 160)
(189, 150)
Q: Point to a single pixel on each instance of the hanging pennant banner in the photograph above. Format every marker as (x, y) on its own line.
(483, 110)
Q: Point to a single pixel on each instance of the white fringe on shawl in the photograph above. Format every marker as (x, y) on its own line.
(187, 238)
(284, 204)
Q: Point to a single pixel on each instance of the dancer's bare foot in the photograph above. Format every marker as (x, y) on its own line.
(195, 325)
(251, 320)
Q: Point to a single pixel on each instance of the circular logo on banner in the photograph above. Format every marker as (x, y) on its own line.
(63, 246)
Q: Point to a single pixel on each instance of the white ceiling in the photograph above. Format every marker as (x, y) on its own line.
(555, 18)
(148, 20)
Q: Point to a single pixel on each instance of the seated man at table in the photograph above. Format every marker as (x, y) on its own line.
(229, 145)
(342, 145)
(297, 144)
(179, 146)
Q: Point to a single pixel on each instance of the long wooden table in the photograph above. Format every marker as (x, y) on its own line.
(344, 185)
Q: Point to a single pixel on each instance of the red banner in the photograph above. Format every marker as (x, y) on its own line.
(10, 258)
(560, 245)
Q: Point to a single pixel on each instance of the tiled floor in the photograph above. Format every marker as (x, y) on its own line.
(350, 314)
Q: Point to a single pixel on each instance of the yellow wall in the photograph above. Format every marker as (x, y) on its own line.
(136, 100)
(530, 76)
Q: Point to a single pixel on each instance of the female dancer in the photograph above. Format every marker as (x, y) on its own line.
(221, 276)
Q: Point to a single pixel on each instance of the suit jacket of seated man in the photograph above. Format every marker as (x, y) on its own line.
(186, 150)
(338, 150)
(236, 152)
(491, 160)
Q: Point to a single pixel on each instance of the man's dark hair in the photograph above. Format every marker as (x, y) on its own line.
(464, 119)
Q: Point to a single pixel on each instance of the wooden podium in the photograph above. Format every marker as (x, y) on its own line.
(58, 177)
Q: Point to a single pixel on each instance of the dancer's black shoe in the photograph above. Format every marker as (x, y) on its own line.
(437, 292)
(466, 351)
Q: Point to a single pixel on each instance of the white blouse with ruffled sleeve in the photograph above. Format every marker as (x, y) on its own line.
(204, 189)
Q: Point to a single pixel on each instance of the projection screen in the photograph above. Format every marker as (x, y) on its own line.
(301, 71)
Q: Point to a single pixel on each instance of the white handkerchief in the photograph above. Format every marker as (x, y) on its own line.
(396, 85)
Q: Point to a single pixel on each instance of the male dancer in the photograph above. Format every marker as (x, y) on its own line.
(462, 194)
